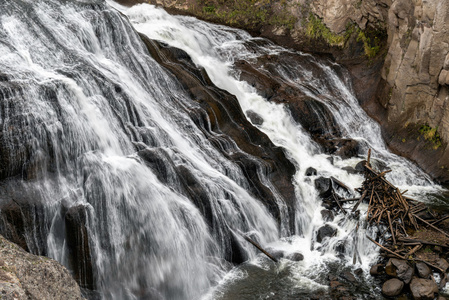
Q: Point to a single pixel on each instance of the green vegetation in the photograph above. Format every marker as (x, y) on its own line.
(431, 134)
(316, 29)
(370, 45)
(251, 13)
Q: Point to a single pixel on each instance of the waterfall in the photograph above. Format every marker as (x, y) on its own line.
(119, 166)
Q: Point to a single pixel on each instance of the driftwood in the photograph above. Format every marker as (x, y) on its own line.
(257, 246)
(397, 215)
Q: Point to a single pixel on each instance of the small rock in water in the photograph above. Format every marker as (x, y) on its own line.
(325, 231)
(295, 256)
(327, 215)
(392, 287)
(423, 289)
(324, 186)
(311, 171)
(360, 167)
(377, 269)
(358, 272)
(423, 270)
(348, 276)
(255, 118)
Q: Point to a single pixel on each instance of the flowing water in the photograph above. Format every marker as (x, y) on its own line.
(81, 96)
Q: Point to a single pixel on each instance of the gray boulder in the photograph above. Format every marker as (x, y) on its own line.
(27, 276)
(400, 269)
(423, 289)
(423, 270)
(392, 287)
(325, 231)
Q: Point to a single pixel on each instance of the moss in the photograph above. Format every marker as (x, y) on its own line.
(317, 29)
(431, 134)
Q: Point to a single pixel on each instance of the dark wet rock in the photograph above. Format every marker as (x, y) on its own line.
(347, 148)
(255, 118)
(400, 269)
(358, 272)
(392, 287)
(22, 222)
(216, 111)
(341, 247)
(331, 159)
(295, 256)
(311, 171)
(27, 276)
(77, 238)
(325, 231)
(360, 167)
(377, 269)
(348, 276)
(423, 289)
(423, 270)
(350, 170)
(327, 215)
(238, 254)
(324, 186)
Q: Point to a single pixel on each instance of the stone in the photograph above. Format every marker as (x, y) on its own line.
(392, 287)
(360, 166)
(311, 171)
(327, 215)
(27, 276)
(254, 117)
(377, 269)
(324, 186)
(400, 269)
(423, 289)
(423, 270)
(296, 256)
(442, 264)
(325, 231)
(348, 276)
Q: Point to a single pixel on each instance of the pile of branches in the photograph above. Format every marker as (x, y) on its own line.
(396, 215)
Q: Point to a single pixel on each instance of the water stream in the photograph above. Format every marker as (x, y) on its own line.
(82, 102)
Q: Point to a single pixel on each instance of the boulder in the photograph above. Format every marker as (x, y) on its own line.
(442, 264)
(323, 186)
(392, 287)
(325, 231)
(423, 270)
(423, 289)
(348, 276)
(27, 276)
(377, 269)
(400, 269)
(311, 171)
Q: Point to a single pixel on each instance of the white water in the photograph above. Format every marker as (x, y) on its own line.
(216, 48)
(82, 93)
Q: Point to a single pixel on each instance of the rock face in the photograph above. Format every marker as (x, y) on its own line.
(26, 276)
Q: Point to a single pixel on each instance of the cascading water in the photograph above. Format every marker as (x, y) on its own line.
(92, 126)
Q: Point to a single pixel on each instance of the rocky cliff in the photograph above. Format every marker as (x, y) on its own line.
(27, 276)
(395, 50)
